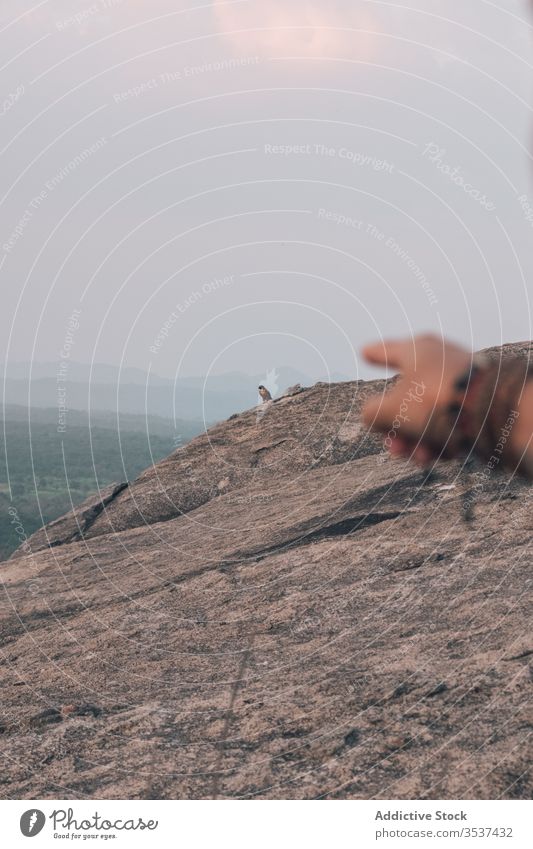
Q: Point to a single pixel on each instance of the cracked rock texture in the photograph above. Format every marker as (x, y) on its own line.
(276, 610)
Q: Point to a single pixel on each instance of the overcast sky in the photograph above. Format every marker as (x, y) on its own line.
(243, 185)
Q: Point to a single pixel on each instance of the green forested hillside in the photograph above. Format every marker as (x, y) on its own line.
(43, 472)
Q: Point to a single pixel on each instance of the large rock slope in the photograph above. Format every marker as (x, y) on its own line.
(275, 611)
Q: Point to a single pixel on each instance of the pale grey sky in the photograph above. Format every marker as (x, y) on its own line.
(341, 170)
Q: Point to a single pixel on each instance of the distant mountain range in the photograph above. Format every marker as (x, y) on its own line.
(130, 391)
